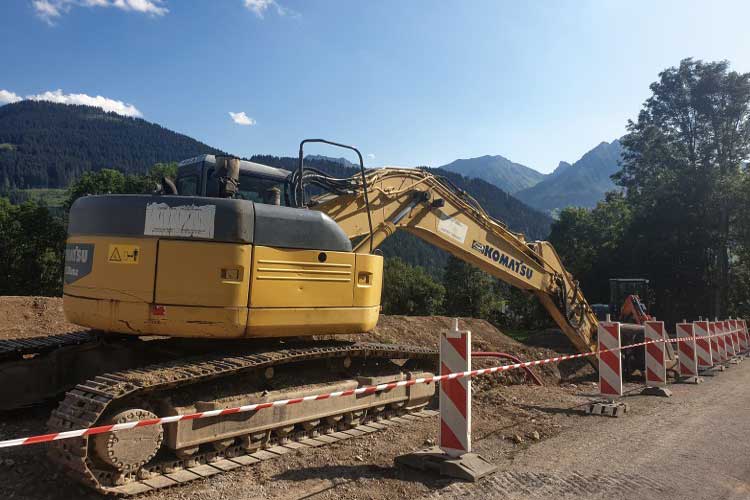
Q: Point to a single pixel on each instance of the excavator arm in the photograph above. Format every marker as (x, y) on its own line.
(439, 213)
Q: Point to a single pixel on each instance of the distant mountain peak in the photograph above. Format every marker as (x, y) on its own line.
(581, 184)
(340, 161)
(498, 170)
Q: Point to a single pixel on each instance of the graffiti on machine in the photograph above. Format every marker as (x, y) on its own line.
(496, 255)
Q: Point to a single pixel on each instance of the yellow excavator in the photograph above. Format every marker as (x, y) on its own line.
(230, 287)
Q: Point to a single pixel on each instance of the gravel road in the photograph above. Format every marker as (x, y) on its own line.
(693, 445)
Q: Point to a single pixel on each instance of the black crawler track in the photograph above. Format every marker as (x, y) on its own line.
(85, 405)
(18, 348)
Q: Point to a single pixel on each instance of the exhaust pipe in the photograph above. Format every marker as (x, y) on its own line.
(228, 175)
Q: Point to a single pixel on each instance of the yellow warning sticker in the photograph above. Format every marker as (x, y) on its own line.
(123, 254)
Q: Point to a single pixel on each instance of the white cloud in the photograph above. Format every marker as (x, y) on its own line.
(241, 118)
(7, 97)
(371, 156)
(50, 10)
(259, 7)
(105, 103)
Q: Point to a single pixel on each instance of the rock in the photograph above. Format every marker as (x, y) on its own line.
(518, 439)
(535, 436)
(429, 442)
(359, 458)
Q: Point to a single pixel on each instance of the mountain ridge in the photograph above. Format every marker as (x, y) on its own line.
(581, 184)
(508, 175)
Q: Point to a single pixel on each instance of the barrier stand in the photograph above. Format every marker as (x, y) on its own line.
(703, 350)
(610, 372)
(656, 368)
(687, 354)
(452, 457)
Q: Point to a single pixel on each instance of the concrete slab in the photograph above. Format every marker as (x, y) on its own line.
(469, 467)
(656, 391)
(607, 408)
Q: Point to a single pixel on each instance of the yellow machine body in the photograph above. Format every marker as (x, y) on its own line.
(208, 289)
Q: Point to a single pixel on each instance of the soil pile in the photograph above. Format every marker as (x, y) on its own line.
(22, 317)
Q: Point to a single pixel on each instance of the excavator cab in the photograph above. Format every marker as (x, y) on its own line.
(258, 183)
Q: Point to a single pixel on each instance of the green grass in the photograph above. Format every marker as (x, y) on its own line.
(6, 146)
(52, 197)
(517, 334)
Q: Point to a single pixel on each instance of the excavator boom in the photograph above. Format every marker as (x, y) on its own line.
(436, 211)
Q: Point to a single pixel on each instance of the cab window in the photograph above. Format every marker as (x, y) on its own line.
(261, 190)
(187, 185)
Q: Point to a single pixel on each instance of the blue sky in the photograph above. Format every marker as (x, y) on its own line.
(409, 82)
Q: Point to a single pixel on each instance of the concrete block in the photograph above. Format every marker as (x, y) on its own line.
(468, 467)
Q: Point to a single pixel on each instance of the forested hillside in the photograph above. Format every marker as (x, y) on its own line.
(48, 145)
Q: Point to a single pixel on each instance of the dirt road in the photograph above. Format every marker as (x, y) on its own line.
(695, 445)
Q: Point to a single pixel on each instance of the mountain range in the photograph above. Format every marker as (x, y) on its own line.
(581, 184)
(48, 145)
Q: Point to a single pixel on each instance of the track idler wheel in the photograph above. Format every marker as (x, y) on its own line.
(129, 450)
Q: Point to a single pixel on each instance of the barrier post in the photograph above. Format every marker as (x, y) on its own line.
(716, 346)
(452, 457)
(656, 368)
(736, 339)
(745, 340)
(703, 346)
(720, 341)
(729, 342)
(610, 371)
(454, 436)
(687, 354)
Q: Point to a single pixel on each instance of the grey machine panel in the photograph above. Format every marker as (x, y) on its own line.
(235, 221)
(287, 227)
(125, 215)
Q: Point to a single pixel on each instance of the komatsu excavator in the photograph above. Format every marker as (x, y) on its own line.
(231, 288)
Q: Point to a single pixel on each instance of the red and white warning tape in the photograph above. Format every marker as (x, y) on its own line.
(44, 438)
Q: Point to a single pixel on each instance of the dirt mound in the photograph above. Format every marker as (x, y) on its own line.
(425, 330)
(32, 317)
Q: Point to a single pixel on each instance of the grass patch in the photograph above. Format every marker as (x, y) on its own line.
(52, 197)
(517, 334)
(6, 146)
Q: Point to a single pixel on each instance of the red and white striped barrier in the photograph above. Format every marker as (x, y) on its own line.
(454, 437)
(688, 358)
(610, 361)
(737, 335)
(721, 352)
(613, 339)
(656, 368)
(744, 339)
(703, 345)
(728, 338)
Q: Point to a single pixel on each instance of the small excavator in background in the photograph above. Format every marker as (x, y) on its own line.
(628, 300)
